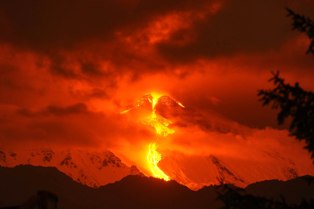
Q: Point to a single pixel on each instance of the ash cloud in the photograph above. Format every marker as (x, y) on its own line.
(78, 36)
(69, 67)
(72, 125)
(246, 27)
(84, 33)
(52, 24)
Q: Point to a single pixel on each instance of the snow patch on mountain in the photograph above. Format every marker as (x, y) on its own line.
(92, 168)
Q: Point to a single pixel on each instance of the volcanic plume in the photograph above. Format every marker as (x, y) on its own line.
(161, 126)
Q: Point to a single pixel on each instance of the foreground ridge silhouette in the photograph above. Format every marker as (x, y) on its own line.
(146, 192)
(237, 198)
(42, 200)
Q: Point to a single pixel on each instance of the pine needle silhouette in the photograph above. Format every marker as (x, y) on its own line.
(305, 25)
(295, 103)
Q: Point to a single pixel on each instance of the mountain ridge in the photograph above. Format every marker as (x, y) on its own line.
(19, 183)
(92, 168)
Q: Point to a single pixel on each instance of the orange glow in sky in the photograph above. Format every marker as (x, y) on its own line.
(64, 83)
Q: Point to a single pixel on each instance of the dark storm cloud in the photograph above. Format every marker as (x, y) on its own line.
(240, 27)
(64, 30)
(49, 24)
(52, 23)
(249, 26)
(45, 25)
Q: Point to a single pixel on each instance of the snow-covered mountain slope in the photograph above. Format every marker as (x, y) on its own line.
(199, 171)
(207, 148)
(194, 171)
(86, 167)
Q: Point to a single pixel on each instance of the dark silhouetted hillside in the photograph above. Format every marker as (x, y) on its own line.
(21, 182)
(294, 190)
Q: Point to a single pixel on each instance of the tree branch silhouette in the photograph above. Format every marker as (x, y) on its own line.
(295, 103)
(304, 25)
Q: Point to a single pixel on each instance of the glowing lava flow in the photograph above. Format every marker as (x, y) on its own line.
(161, 126)
(153, 158)
(159, 123)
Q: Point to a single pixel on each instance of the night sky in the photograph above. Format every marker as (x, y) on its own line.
(69, 67)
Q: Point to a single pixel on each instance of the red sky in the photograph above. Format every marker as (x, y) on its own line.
(67, 68)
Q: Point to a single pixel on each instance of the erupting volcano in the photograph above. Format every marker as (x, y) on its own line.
(152, 104)
(196, 150)
(162, 130)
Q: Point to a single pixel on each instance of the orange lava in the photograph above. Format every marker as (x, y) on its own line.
(162, 130)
